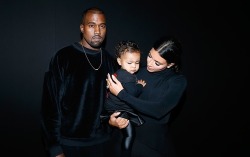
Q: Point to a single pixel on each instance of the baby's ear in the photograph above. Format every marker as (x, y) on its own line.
(119, 60)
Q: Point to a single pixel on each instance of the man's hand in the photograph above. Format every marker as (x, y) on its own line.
(60, 155)
(118, 121)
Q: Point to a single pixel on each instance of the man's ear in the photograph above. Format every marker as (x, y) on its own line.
(81, 28)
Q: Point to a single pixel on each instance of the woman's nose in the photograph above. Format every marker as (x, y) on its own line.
(149, 61)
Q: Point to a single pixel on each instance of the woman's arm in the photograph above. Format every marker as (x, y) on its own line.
(158, 108)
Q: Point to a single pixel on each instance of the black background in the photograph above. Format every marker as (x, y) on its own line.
(214, 121)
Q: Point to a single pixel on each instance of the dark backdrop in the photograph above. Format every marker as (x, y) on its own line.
(214, 121)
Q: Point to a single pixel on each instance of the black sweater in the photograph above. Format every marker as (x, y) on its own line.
(73, 98)
(161, 94)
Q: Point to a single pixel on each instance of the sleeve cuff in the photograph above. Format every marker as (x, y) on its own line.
(55, 150)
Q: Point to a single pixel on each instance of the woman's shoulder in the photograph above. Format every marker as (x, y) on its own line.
(178, 78)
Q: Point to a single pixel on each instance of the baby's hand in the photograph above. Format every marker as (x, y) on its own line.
(142, 82)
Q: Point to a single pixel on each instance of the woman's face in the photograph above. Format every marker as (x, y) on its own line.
(155, 62)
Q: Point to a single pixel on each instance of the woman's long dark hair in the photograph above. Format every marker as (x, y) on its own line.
(170, 49)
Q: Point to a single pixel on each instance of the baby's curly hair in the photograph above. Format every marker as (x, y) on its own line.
(126, 46)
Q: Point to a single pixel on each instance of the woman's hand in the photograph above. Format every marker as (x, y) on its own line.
(114, 86)
(118, 121)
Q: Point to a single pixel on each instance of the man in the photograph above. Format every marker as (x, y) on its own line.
(74, 93)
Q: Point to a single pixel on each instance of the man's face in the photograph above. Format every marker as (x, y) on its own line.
(93, 29)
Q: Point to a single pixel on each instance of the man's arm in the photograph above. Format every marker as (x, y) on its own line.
(118, 121)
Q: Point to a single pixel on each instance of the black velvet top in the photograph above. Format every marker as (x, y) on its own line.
(161, 94)
(73, 98)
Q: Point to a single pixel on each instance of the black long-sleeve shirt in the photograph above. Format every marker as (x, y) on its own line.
(161, 94)
(130, 85)
(113, 103)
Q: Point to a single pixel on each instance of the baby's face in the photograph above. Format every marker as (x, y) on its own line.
(130, 61)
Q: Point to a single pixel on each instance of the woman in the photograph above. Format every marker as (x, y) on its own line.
(164, 89)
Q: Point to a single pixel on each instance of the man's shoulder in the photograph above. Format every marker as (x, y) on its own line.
(67, 50)
(108, 54)
(65, 54)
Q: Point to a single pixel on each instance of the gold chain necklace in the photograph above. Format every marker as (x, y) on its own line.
(89, 60)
